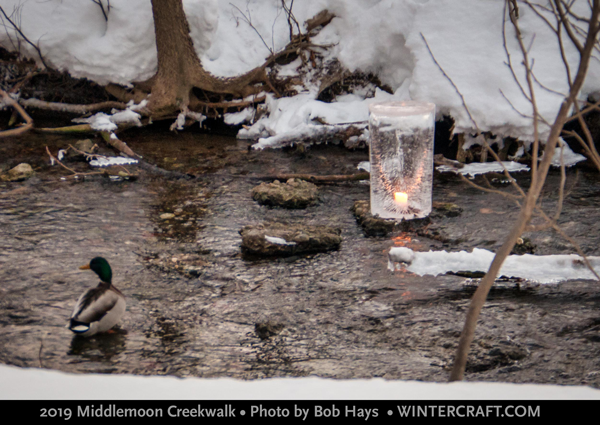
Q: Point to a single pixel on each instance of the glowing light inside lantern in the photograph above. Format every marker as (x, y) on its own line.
(401, 198)
(401, 154)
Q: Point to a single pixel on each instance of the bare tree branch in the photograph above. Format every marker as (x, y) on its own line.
(538, 179)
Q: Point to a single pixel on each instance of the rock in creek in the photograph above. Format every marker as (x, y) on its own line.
(20, 172)
(523, 246)
(292, 194)
(87, 146)
(372, 225)
(445, 209)
(284, 239)
(267, 329)
(376, 226)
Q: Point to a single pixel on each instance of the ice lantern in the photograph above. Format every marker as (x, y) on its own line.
(401, 151)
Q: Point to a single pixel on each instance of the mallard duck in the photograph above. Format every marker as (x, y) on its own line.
(98, 309)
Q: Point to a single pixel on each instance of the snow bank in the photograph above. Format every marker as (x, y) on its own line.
(384, 37)
(42, 384)
(466, 39)
(74, 36)
(300, 117)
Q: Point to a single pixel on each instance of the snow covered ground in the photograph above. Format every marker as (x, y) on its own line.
(41, 384)
(385, 37)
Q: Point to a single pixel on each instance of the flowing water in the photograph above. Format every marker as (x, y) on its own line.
(197, 307)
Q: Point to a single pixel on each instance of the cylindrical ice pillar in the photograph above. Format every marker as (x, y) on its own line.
(401, 151)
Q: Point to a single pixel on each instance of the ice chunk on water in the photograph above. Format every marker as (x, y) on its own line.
(100, 161)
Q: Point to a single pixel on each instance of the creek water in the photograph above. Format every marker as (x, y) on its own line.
(195, 305)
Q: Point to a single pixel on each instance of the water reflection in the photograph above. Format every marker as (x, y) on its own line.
(100, 347)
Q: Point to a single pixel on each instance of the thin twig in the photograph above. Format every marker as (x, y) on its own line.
(528, 72)
(588, 136)
(552, 224)
(514, 108)
(584, 145)
(17, 29)
(561, 187)
(248, 20)
(75, 173)
(490, 190)
(106, 11)
(507, 52)
(291, 18)
(466, 108)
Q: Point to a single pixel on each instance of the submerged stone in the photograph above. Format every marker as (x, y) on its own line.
(267, 329)
(86, 145)
(21, 172)
(446, 209)
(284, 239)
(523, 246)
(293, 194)
(372, 225)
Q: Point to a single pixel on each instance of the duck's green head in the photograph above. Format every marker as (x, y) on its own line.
(100, 266)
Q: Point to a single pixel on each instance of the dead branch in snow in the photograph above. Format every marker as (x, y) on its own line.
(69, 107)
(71, 129)
(6, 99)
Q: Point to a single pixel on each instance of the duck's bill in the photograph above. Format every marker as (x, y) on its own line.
(86, 267)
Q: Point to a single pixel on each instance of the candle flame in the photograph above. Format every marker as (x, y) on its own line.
(401, 197)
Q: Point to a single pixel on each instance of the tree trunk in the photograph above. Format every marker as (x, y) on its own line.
(180, 69)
